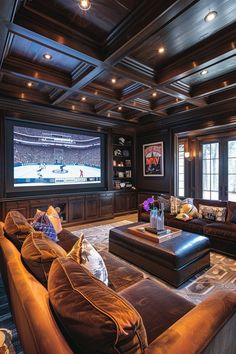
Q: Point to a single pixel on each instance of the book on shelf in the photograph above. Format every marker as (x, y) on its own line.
(128, 163)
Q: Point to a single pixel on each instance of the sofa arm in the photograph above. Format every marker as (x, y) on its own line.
(208, 328)
(140, 211)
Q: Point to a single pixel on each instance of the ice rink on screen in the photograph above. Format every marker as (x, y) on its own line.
(70, 177)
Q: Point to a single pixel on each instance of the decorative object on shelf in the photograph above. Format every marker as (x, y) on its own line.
(128, 174)
(120, 164)
(126, 153)
(122, 184)
(153, 159)
(121, 140)
(114, 163)
(117, 152)
(128, 163)
(121, 174)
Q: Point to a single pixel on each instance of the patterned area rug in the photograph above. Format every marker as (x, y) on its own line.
(221, 274)
(9, 342)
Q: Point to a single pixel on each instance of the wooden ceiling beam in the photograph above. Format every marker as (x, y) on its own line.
(221, 46)
(7, 13)
(51, 43)
(80, 84)
(222, 96)
(215, 85)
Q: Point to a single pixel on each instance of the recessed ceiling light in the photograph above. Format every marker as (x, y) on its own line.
(204, 72)
(84, 4)
(47, 56)
(29, 84)
(161, 50)
(210, 16)
(120, 108)
(113, 80)
(154, 94)
(83, 98)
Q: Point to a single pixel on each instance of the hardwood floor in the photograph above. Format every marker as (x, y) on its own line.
(131, 217)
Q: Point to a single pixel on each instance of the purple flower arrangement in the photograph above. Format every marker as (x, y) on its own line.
(148, 204)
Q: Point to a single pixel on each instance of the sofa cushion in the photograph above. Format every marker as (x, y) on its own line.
(66, 239)
(231, 212)
(194, 225)
(38, 253)
(165, 200)
(121, 274)
(94, 317)
(86, 255)
(213, 213)
(227, 231)
(169, 307)
(17, 228)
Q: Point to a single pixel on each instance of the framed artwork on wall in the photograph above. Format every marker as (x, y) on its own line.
(153, 159)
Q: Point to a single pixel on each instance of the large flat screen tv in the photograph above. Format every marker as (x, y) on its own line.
(44, 157)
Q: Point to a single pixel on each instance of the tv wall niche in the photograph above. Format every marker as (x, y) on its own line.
(41, 158)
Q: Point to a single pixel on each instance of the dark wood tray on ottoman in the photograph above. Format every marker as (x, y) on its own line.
(174, 260)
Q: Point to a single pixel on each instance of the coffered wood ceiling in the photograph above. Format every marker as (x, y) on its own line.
(119, 39)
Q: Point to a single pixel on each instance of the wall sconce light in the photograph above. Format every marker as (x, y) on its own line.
(188, 153)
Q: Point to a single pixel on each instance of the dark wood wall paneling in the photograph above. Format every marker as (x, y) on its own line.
(158, 184)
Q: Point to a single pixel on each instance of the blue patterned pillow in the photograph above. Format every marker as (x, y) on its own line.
(44, 224)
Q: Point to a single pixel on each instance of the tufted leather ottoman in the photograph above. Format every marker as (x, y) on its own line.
(174, 260)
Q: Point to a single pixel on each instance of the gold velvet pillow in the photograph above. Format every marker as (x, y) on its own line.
(38, 253)
(16, 223)
(17, 228)
(93, 315)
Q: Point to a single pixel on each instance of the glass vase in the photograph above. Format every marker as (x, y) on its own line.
(153, 218)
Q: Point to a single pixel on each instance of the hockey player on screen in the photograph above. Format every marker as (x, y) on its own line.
(81, 173)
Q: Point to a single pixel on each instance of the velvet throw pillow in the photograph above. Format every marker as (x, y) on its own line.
(86, 255)
(54, 218)
(16, 223)
(212, 213)
(17, 228)
(95, 317)
(176, 204)
(38, 253)
(43, 224)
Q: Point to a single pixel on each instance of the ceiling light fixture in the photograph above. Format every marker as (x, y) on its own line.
(161, 50)
(47, 56)
(154, 94)
(85, 5)
(83, 98)
(210, 16)
(120, 108)
(29, 84)
(113, 80)
(204, 72)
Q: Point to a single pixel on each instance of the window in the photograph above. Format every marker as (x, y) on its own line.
(180, 182)
(232, 170)
(210, 170)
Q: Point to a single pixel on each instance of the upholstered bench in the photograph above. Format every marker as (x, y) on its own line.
(174, 260)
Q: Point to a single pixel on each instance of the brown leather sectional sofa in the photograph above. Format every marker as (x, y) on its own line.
(222, 235)
(171, 324)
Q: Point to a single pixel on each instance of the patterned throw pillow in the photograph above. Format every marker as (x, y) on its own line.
(212, 213)
(176, 204)
(44, 224)
(53, 216)
(183, 217)
(165, 201)
(86, 255)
